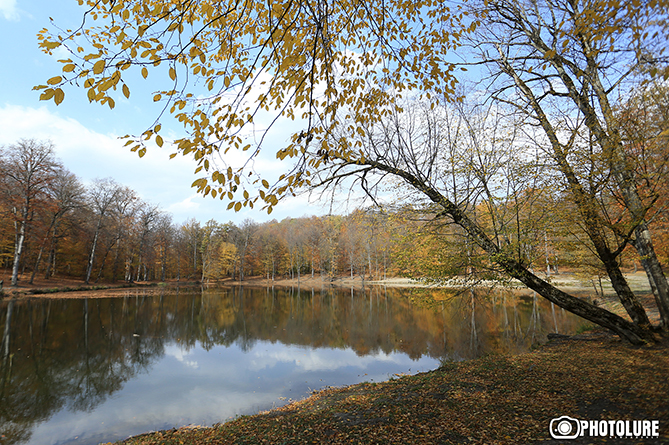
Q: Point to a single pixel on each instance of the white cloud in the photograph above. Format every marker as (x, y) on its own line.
(321, 359)
(90, 155)
(156, 178)
(8, 10)
(181, 356)
(188, 204)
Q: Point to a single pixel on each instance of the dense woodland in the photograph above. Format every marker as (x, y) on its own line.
(51, 224)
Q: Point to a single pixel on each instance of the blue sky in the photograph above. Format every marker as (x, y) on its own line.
(86, 135)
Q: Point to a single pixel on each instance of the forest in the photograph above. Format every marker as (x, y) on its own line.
(53, 225)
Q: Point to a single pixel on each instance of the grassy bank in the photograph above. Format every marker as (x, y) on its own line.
(492, 400)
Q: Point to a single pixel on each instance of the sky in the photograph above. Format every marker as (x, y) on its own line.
(87, 135)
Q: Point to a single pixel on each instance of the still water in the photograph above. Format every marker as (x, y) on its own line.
(85, 371)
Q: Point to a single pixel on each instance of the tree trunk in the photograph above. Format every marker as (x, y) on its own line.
(39, 259)
(51, 261)
(658, 281)
(632, 332)
(20, 238)
(6, 333)
(116, 257)
(92, 256)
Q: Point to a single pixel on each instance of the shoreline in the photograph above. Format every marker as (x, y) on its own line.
(497, 399)
(71, 288)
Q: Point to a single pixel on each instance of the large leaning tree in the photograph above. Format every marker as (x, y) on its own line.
(344, 69)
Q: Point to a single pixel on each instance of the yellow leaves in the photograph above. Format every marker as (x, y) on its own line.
(58, 96)
(272, 199)
(108, 82)
(225, 48)
(47, 94)
(99, 66)
(54, 80)
(200, 183)
(109, 101)
(49, 45)
(195, 51)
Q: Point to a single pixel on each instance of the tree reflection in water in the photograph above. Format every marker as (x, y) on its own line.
(72, 354)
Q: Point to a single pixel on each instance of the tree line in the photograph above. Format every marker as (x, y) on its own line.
(50, 224)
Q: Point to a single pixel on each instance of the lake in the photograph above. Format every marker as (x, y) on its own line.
(91, 370)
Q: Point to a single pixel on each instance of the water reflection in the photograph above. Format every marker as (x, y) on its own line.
(91, 370)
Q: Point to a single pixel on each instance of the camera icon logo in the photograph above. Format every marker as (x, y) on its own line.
(565, 427)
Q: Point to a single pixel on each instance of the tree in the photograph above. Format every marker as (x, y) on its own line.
(67, 195)
(28, 170)
(565, 63)
(192, 237)
(165, 241)
(210, 248)
(123, 215)
(241, 237)
(147, 218)
(643, 120)
(101, 199)
(269, 248)
(342, 68)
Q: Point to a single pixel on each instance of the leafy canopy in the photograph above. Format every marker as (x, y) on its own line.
(229, 61)
(329, 65)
